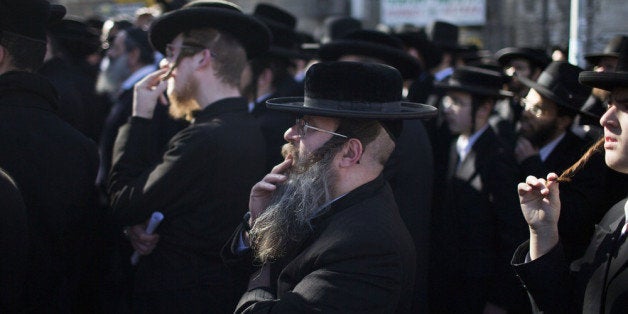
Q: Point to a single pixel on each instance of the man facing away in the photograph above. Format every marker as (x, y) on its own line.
(323, 224)
(200, 183)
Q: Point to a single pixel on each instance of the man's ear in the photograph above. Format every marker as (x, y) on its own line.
(485, 109)
(564, 122)
(204, 58)
(134, 56)
(351, 153)
(266, 77)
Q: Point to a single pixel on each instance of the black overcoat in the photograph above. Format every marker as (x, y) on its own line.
(201, 185)
(596, 283)
(54, 166)
(476, 230)
(358, 259)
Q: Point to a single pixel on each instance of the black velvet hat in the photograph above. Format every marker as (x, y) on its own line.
(285, 41)
(611, 50)
(444, 35)
(534, 55)
(252, 34)
(418, 40)
(609, 80)
(376, 45)
(25, 18)
(353, 90)
(476, 81)
(559, 82)
(213, 4)
(337, 27)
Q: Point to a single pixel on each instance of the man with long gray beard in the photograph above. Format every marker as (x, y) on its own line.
(323, 225)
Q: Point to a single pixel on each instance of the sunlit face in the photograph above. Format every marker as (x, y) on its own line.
(539, 119)
(313, 139)
(615, 123)
(457, 107)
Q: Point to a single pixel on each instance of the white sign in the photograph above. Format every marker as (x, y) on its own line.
(423, 12)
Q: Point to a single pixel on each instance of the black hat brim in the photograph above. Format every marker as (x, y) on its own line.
(251, 33)
(397, 58)
(504, 56)
(447, 86)
(595, 57)
(604, 80)
(406, 110)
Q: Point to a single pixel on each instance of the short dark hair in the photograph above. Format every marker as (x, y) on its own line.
(26, 54)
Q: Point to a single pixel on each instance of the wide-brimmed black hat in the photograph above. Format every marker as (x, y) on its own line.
(536, 56)
(373, 44)
(444, 35)
(26, 18)
(251, 33)
(285, 41)
(559, 83)
(353, 90)
(609, 80)
(418, 40)
(76, 37)
(221, 4)
(611, 50)
(476, 81)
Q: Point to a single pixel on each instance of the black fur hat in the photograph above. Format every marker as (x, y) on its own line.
(353, 90)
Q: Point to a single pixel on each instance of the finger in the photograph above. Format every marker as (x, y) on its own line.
(274, 178)
(523, 188)
(163, 100)
(531, 180)
(282, 167)
(552, 176)
(151, 79)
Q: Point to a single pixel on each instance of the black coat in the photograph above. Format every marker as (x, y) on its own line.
(201, 185)
(592, 190)
(596, 283)
(476, 230)
(54, 166)
(13, 245)
(359, 258)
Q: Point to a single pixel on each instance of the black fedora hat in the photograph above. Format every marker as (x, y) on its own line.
(252, 34)
(609, 80)
(611, 49)
(221, 4)
(353, 90)
(285, 41)
(27, 18)
(373, 44)
(535, 55)
(76, 37)
(559, 83)
(476, 81)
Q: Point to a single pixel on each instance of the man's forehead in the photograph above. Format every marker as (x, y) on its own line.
(320, 119)
(519, 62)
(620, 94)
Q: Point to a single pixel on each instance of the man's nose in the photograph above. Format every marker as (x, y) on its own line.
(291, 134)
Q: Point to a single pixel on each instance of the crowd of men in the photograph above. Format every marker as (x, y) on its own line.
(369, 172)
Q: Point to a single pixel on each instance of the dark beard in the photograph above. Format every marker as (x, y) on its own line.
(183, 103)
(541, 136)
(286, 221)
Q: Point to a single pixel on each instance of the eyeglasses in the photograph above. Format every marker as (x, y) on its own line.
(187, 49)
(534, 108)
(302, 126)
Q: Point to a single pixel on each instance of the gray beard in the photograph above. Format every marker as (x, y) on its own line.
(110, 79)
(286, 221)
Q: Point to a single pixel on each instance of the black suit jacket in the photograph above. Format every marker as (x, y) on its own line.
(359, 258)
(201, 185)
(54, 166)
(596, 283)
(478, 226)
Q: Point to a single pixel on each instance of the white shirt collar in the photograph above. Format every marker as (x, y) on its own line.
(442, 74)
(546, 150)
(464, 144)
(138, 75)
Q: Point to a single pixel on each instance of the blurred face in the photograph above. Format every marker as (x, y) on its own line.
(457, 107)
(539, 119)
(615, 123)
(605, 64)
(517, 68)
